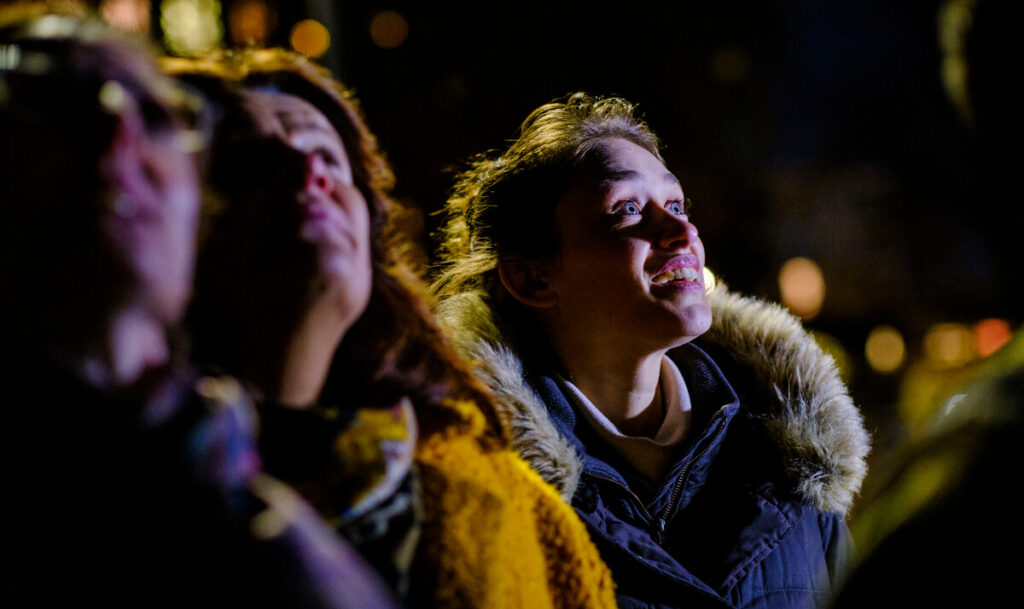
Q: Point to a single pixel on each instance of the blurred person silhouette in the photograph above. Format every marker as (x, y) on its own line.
(704, 438)
(130, 480)
(303, 290)
(942, 527)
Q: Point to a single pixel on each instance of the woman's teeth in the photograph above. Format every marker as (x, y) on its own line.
(684, 273)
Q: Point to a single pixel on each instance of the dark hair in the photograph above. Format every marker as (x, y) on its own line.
(502, 208)
(395, 348)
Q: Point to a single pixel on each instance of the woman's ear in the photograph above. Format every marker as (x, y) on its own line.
(527, 282)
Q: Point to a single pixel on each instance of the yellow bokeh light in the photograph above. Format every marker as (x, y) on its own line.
(389, 29)
(709, 280)
(885, 349)
(310, 38)
(191, 27)
(990, 335)
(802, 286)
(949, 345)
(955, 20)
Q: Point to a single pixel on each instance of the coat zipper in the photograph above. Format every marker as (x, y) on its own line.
(662, 519)
(660, 522)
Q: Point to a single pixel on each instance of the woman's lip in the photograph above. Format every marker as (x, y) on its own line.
(319, 222)
(679, 285)
(679, 262)
(314, 210)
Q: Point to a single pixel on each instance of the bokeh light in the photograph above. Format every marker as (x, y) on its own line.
(130, 15)
(710, 281)
(310, 37)
(925, 390)
(885, 349)
(250, 23)
(389, 29)
(954, 22)
(990, 335)
(191, 27)
(10, 57)
(949, 345)
(802, 287)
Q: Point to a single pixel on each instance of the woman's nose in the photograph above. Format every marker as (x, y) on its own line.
(675, 232)
(318, 176)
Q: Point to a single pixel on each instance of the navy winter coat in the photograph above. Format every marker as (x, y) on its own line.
(721, 529)
(752, 513)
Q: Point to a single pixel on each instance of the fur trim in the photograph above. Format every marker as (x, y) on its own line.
(819, 431)
(467, 319)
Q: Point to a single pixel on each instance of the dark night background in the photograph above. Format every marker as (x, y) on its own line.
(799, 128)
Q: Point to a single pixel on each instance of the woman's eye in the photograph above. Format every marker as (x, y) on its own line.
(630, 208)
(679, 208)
(328, 157)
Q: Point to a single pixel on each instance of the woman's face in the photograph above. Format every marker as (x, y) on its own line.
(628, 272)
(313, 218)
(151, 182)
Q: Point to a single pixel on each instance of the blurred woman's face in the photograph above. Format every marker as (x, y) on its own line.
(311, 210)
(630, 261)
(151, 181)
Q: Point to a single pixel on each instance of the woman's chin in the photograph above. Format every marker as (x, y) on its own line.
(346, 283)
(694, 320)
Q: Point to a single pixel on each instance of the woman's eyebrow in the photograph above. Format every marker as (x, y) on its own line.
(292, 122)
(613, 177)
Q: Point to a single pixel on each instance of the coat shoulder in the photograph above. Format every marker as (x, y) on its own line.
(805, 406)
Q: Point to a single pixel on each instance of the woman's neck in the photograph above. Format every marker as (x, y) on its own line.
(292, 368)
(624, 388)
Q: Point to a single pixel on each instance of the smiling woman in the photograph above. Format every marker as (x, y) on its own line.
(704, 438)
(622, 220)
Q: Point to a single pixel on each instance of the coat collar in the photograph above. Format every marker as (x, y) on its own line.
(811, 418)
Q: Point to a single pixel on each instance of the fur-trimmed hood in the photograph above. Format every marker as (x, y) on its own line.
(817, 428)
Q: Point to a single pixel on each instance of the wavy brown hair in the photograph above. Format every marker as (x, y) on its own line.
(502, 207)
(395, 348)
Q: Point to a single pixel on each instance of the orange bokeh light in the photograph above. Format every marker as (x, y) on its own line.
(990, 335)
(389, 29)
(310, 38)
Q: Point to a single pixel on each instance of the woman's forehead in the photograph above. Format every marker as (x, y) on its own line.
(614, 162)
(617, 156)
(283, 112)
